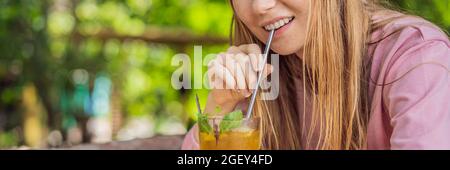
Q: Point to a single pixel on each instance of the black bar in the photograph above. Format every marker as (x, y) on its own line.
(233, 159)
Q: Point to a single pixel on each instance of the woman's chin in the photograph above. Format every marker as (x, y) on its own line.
(284, 52)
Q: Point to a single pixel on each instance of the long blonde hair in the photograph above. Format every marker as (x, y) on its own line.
(334, 75)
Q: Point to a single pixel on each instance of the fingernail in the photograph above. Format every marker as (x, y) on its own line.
(248, 94)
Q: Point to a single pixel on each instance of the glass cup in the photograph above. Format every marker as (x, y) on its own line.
(243, 134)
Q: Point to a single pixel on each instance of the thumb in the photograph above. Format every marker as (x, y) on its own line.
(268, 70)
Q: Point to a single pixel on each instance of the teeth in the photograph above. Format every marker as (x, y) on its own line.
(278, 24)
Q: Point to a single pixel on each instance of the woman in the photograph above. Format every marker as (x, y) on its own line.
(353, 75)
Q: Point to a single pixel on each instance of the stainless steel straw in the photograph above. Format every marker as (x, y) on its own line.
(198, 104)
(255, 91)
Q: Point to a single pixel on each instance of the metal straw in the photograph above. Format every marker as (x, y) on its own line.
(255, 91)
(198, 104)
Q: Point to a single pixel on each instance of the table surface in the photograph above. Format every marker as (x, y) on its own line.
(154, 143)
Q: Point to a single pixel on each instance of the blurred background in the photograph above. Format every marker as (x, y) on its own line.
(94, 71)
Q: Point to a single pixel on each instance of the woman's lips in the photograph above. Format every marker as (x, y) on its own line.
(279, 32)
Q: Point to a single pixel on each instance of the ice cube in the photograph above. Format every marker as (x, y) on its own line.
(243, 129)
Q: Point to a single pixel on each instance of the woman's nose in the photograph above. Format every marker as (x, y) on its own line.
(263, 6)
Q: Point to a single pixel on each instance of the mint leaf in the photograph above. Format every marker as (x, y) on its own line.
(217, 110)
(203, 123)
(231, 120)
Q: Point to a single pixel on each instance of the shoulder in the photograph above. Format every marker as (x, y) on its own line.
(406, 30)
(406, 41)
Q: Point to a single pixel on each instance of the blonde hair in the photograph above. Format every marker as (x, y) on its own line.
(334, 75)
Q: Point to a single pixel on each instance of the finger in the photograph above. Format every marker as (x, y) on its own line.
(214, 81)
(234, 50)
(231, 63)
(252, 78)
(216, 58)
(247, 71)
(266, 73)
(234, 67)
(268, 70)
(226, 61)
(223, 73)
(250, 49)
(211, 75)
(255, 54)
(242, 76)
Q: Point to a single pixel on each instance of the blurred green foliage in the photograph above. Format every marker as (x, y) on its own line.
(60, 47)
(49, 43)
(436, 11)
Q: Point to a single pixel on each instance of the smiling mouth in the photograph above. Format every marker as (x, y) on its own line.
(280, 23)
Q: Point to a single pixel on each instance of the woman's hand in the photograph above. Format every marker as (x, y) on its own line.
(233, 76)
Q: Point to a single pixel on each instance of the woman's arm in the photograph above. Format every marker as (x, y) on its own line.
(419, 102)
(190, 141)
